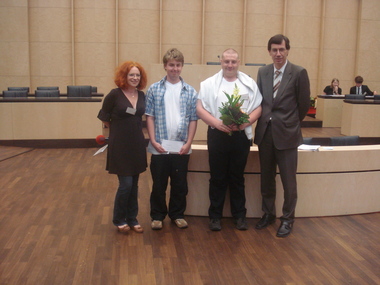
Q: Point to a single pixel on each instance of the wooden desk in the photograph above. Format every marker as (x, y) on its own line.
(341, 181)
(60, 99)
(361, 117)
(32, 96)
(49, 118)
(329, 110)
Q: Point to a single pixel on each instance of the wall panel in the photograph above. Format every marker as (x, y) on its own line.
(49, 42)
(95, 25)
(337, 65)
(94, 43)
(185, 35)
(182, 28)
(14, 44)
(260, 29)
(336, 39)
(14, 20)
(94, 4)
(94, 59)
(46, 21)
(223, 27)
(139, 35)
(50, 50)
(49, 3)
(152, 5)
(370, 10)
(339, 37)
(369, 54)
(14, 59)
(50, 59)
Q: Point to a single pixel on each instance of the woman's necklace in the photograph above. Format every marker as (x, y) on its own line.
(132, 94)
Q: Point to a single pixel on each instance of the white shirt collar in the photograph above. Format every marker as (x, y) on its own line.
(282, 69)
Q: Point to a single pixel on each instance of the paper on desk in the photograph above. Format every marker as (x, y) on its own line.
(309, 147)
(101, 149)
(172, 146)
(327, 147)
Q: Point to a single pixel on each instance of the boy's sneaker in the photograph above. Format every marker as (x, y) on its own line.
(156, 225)
(241, 224)
(181, 223)
(215, 225)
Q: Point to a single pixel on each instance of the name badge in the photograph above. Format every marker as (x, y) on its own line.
(131, 111)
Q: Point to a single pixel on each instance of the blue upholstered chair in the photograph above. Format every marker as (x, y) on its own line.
(354, 97)
(47, 88)
(345, 140)
(46, 93)
(19, 89)
(15, 93)
(307, 140)
(79, 91)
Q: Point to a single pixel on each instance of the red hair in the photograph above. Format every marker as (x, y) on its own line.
(122, 72)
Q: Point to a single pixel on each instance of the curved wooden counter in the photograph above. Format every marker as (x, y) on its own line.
(329, 110)
(49, 118)
(361, 117)
(341, 181)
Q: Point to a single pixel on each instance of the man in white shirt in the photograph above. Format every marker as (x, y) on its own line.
(228, 153)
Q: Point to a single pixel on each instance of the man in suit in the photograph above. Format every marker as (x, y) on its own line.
(286, 100)
(359, 88)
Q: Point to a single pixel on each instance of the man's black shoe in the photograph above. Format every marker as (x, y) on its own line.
(265, 221)
(284, 229)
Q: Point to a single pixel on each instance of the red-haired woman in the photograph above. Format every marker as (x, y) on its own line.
(122, 113)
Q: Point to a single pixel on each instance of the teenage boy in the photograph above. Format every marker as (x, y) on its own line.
(171, 122)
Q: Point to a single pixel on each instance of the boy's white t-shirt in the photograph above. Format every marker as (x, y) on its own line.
(172, 108)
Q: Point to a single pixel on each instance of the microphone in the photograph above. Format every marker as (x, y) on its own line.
(100, 139)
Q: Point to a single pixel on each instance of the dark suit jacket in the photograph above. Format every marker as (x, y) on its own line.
(289, 107)
(329, 91)
(365, 90)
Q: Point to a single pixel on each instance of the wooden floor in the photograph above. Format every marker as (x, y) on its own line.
(55, 225)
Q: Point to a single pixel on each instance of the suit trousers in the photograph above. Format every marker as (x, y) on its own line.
(163, 167)
(227, 159)
(287, 161)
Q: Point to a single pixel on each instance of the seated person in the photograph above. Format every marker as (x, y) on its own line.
(361, 89)
(333, 89)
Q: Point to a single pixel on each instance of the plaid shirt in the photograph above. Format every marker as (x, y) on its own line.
(155, 107)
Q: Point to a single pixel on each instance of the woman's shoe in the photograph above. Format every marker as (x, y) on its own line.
(123, 228)
(138, 228)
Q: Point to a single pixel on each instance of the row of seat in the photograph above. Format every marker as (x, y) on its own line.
(335, 141)
(51, 91)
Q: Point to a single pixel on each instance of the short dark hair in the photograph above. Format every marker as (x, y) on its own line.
(359, 79)
(277, 39)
